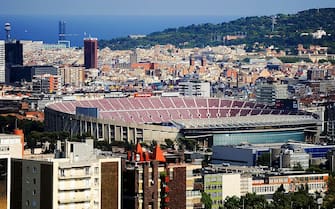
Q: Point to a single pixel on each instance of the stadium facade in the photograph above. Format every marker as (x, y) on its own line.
(209, 120)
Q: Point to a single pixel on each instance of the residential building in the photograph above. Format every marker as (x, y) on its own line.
(83, 179)
(195, 89)
(153, 182)
(222, 185)
(267, 93)
(46, 83)
(73, 76)
(11, 146)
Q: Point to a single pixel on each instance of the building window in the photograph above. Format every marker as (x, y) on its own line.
(87, 171)
(87, 182)
(171, 173)
(34, 181)
(62, 172)
(96, 170)
(34, 169)
(34, 204)
(27, 203)
(34, 192)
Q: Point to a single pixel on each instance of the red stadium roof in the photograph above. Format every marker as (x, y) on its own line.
(165, 109)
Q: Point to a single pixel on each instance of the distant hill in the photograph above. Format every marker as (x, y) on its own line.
(289, 30)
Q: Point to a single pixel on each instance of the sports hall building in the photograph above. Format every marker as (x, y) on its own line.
(209, 120)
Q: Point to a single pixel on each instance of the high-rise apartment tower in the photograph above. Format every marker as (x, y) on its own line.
(91, 53)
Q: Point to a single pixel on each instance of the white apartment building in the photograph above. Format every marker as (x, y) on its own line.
(10, 147)
(195, 89)
(82, 180)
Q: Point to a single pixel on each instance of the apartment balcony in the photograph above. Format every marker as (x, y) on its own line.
(77, 206)
(73, 197)
(74, 185)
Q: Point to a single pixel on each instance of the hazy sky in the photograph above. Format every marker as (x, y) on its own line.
(159, 7)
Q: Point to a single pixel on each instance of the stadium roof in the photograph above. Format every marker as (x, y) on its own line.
(247, 121)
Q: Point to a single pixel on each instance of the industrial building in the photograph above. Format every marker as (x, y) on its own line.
(289, 155)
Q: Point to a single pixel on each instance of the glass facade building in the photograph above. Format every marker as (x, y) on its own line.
(258, 138)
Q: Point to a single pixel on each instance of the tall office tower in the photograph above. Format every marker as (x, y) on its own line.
(2, 62)
(91, 53)
(14, 53)
(61, 30)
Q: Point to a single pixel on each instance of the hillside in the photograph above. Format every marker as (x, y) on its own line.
(286, 34)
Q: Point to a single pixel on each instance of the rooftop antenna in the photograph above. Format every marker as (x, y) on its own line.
(7, 29)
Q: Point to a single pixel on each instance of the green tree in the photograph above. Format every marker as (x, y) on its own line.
(232, 203)
(329, 199)
(253, 201)
(206, 200)
(280, 199)
(169, 143)
(189, 144)
(301, 199)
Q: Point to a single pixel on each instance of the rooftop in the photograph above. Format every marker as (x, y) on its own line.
(247, 121)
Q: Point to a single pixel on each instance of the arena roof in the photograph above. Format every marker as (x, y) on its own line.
(247, 121)
(199, 111)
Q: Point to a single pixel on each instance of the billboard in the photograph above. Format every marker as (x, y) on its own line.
(287, 104)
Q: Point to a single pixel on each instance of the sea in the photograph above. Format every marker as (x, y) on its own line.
(45, 28)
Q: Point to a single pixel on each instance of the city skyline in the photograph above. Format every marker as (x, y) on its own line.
(159, 7)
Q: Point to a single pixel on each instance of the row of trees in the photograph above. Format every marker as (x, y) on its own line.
(280, 200)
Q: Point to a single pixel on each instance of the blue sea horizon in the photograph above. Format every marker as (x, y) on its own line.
(45, 28)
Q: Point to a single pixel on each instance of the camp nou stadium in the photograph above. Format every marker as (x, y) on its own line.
(214, 121)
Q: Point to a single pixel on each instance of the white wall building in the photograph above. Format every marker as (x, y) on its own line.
(195, 89)
(10, 147)
(222, 185)
(83, 179)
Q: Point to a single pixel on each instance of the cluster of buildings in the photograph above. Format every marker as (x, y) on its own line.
(243, 107)
(76, 175)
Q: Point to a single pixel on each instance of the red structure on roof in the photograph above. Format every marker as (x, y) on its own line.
(158, 154)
